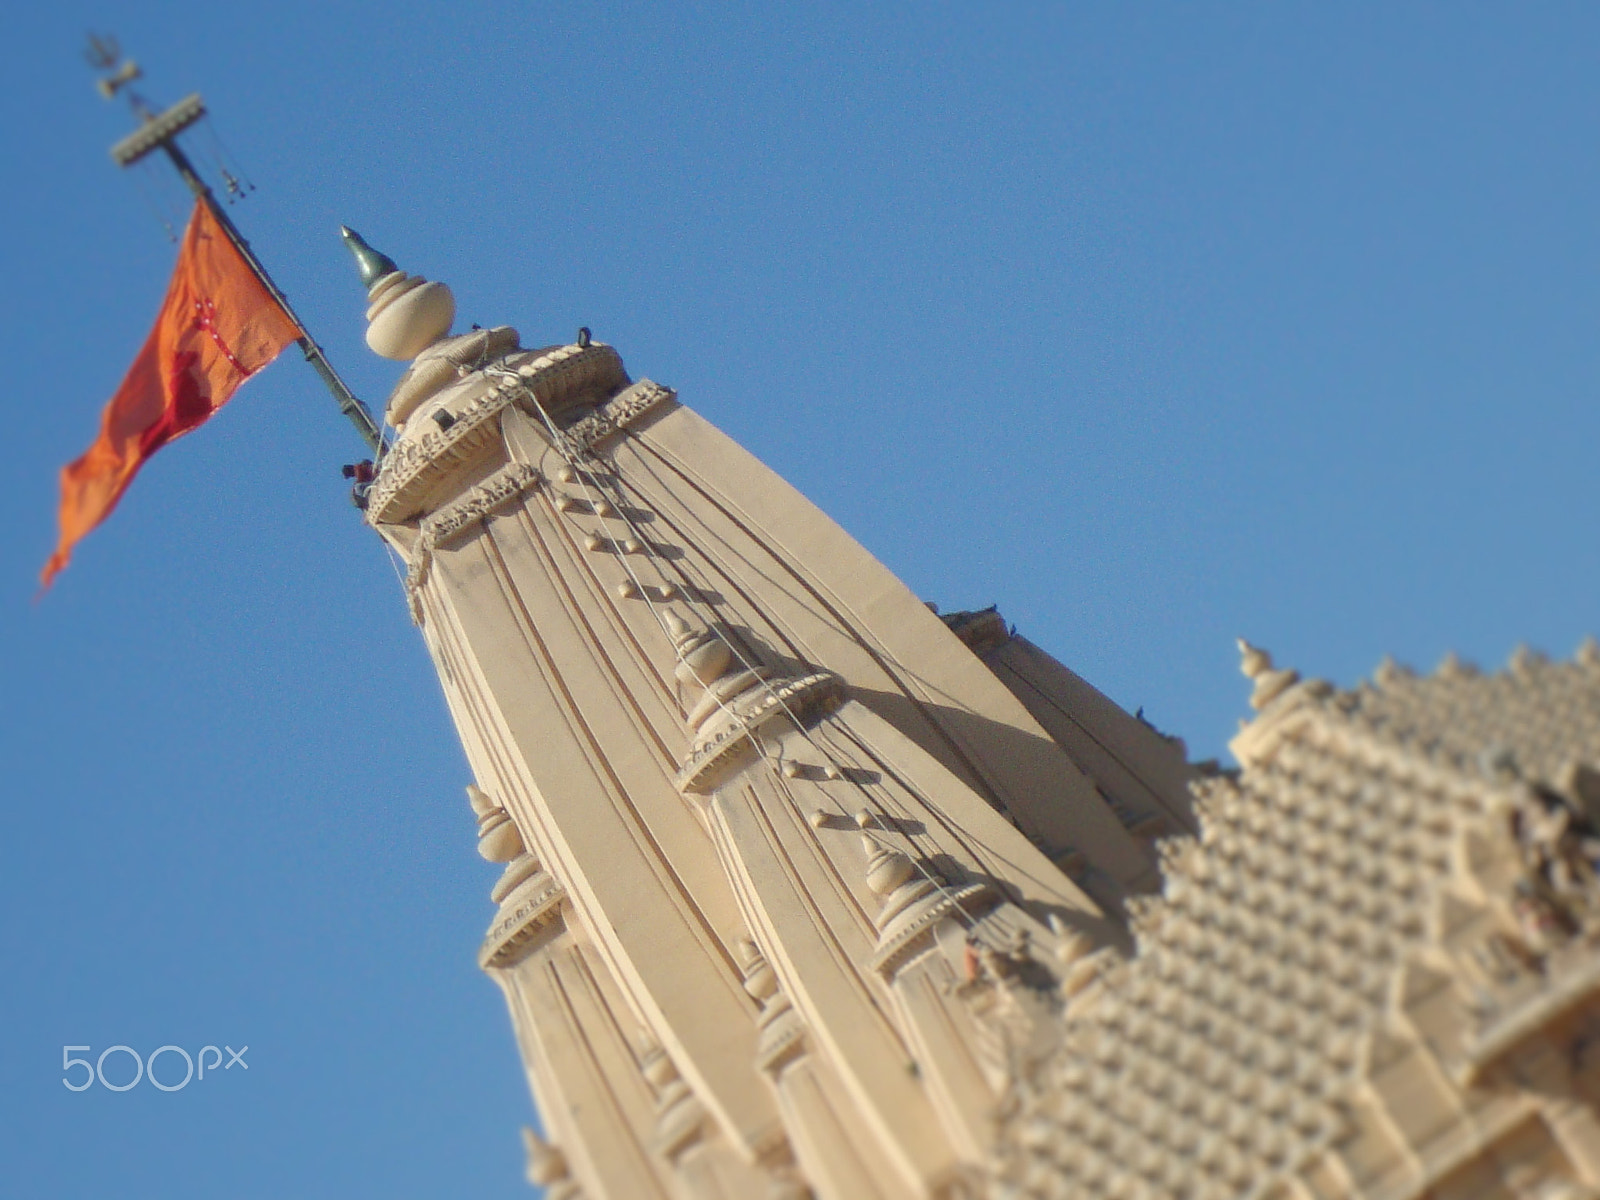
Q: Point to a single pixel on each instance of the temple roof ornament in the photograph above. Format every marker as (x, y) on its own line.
(405, 313)
(1270, 683)
(1588, 654)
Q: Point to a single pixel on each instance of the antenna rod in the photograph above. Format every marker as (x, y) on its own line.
(160, 131)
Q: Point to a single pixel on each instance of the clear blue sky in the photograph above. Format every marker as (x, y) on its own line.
(1155, 324)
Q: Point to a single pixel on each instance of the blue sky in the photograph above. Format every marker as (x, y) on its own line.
(1155, 324)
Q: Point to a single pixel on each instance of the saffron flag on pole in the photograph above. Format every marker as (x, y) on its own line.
(218, 326)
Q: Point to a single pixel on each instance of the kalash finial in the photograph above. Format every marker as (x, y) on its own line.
(405, 313)
(373, 264)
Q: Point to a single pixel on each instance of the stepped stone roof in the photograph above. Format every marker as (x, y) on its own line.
(1219, 1058)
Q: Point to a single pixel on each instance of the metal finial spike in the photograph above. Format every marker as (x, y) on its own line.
(103, 52)
(373, 264)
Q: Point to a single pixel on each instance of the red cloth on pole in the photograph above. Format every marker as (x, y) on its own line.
(218, 326)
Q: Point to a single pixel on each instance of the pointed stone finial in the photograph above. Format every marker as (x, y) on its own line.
(886, 869)
(482, 805)
(703, 655)
(1588, 652)
(1452, 666)
(498, 837)
(1388, 672)
(1524, 660)
(405, 313)
(677, 628)
(546, 1163)
(1256, 665)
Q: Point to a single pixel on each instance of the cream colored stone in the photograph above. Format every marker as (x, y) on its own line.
(407, 314)
(813, 892)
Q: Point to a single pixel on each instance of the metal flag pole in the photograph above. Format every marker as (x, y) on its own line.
(159, 131)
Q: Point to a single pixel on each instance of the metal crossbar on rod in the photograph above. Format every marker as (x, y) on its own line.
(159, 132)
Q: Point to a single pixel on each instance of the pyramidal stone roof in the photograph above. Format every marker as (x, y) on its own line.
(1218, 1058)
(1543, 714)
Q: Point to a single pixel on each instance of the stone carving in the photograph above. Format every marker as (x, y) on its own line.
(758, 697)
(680, 1117)
(617, 414)
(531, 906)
(498, 839)
(782, 1031)
(528, 897)
(1556, 895)
(1313, 935)
(419, 460)
(505, 485)
(1270, 683)
(914, 899)
(501, 488)
(736, 700)
(445, 363)
(413, 465)
(568, 372)
(548, 1168)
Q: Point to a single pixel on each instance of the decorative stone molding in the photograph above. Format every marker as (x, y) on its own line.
(680, 1117)
(565, 373)
(726, 735)
(445, 363)
(416, 464)
(915, 900)
(504, 486)
(783, 1038)
(910, 931)
(420, 462)
(736, 700)
(500, 489)
(618, 414)
(500, 841)
(548, 1168)
(532, 905)
(782, 1032)
(1255, 664)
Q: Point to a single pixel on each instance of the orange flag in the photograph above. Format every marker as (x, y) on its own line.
(218, 326)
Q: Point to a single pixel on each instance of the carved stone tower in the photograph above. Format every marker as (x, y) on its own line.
(799, 875)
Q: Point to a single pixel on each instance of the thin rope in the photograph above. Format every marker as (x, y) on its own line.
(394, 561)
(151, 196)
(224, 151)
(618, 506)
